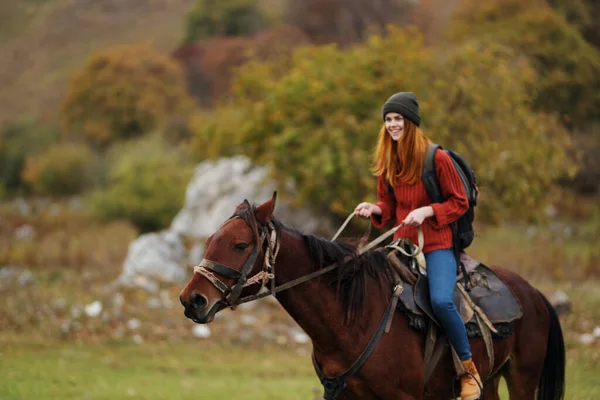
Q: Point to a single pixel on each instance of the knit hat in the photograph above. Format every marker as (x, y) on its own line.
(405, 104)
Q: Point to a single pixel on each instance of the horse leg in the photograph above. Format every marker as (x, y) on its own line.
(490, 388)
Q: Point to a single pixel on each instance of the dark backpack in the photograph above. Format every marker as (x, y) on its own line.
(462, 230)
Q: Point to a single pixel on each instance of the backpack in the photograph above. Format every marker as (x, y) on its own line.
(462, 230)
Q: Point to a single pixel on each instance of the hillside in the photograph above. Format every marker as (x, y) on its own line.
(43, 41)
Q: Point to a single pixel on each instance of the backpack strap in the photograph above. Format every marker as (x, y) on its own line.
(434, 192)
(429, 176)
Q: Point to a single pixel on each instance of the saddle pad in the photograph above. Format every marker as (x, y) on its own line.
(497, 302)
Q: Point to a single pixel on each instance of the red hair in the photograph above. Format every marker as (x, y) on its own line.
(401, 160)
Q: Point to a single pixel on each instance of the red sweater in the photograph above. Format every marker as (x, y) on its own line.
(406, 198)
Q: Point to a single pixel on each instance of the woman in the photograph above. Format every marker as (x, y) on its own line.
(399, 158)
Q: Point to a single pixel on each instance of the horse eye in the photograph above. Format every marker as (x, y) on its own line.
(241, 246)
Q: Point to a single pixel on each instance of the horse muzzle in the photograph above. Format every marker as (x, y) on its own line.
(199, 309)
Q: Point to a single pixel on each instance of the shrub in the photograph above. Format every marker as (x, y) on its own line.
(146, 184)
(568, 67)
(223, 18)
(17, 141)
(61, 170)
(124, 92)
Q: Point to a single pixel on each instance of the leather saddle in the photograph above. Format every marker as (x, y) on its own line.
(487, 291)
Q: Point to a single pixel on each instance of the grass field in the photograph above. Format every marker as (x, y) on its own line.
(46, 370)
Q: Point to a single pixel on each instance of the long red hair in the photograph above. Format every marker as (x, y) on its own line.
(402, 160)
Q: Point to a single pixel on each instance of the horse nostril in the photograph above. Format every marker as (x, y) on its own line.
(198, 301)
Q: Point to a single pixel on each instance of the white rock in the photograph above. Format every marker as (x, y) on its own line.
(201, 331)
(596, 332)
(137, 339)
(118, 300)
(24, 232)
(93, 309)
(298, 336)
(153, 303)
(586, 339)
(248, 319)
(133, 324)
(26, 278)
(154, 255)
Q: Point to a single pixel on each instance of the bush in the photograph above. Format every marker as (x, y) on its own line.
(124, 92)
(146, 184)
(316, 122)
(223, 18)
(17, 141)
(61, 170)
(568, 67)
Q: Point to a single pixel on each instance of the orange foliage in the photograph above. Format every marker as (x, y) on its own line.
(210, 63)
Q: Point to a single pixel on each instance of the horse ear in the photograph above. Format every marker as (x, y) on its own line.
(242, 205)
(265, 210)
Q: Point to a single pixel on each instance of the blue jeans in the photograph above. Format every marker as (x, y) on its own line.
(441, 273)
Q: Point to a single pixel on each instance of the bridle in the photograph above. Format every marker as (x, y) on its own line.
(208, 268)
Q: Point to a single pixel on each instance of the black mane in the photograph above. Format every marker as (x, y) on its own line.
(350, 278)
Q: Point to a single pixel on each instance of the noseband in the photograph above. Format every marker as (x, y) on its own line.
(209, 268)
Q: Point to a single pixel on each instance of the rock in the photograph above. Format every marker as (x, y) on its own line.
(24, 232)
(587, 339)
(596, 332)
(248, 319)
(93, 309)
(158, 256)
(561, 303)
(201, 331)
(137, 339)
(25, 279)
(7, 272)
(165, 298)
(118, 300)
(153, 303)
(298, 336)
(133, 324)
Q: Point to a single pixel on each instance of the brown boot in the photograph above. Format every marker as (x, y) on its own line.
(470, 382)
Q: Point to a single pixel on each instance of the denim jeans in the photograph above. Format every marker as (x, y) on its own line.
(441, 273)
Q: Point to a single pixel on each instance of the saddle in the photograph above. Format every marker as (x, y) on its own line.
(487, 305)
(486, 291)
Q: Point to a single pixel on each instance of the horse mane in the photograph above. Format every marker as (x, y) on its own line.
(350, 278)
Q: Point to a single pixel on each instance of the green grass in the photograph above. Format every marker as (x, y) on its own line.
(47, 370)
(56, 371)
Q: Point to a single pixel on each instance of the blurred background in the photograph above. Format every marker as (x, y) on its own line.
(130, 129)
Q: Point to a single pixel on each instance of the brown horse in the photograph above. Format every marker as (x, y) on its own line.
(342, 309)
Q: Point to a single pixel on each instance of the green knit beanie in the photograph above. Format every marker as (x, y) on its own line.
(405, 104)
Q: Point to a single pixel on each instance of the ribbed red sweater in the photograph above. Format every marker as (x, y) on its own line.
(406, 198)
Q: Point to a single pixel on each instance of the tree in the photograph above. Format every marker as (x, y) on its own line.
(124, 92)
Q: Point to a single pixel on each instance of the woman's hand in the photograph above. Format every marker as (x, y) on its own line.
(365, 210)
(416, 217)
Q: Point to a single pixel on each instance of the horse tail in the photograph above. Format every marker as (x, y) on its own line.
(552, 381)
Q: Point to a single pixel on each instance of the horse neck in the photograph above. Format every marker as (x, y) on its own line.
(314, 304)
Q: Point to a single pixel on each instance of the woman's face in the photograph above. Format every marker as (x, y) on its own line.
(394, 124)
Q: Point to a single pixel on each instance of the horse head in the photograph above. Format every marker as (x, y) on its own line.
(236, 261)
